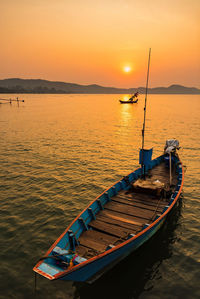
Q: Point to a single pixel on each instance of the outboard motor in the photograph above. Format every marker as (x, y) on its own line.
(170, 150)
(171, 146)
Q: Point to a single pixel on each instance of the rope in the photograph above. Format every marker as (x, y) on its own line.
(155, 210)
(35, 285)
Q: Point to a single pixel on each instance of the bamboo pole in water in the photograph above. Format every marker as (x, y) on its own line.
(12, 100)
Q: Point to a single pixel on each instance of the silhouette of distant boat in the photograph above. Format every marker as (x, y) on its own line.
(128, 102)
(133, 99)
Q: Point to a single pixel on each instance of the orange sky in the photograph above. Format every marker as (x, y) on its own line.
(87, 41)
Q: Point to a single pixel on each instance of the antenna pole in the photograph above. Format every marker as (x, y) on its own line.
(145, 105)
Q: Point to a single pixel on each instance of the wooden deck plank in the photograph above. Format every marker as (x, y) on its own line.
(96, 240)
(128, 210)
(85, 251)
(111, 229)
(161, 172)
(92, 244)
(144, 206)
(129, 226)
(147, 198)
(124, 218)
(140, 196)
(150, 204)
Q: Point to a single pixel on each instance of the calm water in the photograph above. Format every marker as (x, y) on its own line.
(57, 153)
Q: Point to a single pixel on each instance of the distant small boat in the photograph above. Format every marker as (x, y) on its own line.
(133, 99)
(128, 102)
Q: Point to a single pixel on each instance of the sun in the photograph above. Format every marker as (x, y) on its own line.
(127, 69)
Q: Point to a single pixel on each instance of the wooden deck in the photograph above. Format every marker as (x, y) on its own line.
(126, 214)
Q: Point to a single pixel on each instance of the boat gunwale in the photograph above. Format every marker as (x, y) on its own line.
(107, 252)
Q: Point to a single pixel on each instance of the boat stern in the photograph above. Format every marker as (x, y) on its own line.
(57, 262)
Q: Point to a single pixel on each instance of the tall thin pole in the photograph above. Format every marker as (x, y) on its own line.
(170, 169)
(145, 105)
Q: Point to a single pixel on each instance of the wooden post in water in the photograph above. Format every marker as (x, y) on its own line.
(12, 100)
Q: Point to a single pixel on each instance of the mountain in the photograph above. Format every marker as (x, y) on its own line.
(16, 85)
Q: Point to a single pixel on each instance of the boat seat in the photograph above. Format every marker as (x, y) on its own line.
(50, 269)
(59, 250)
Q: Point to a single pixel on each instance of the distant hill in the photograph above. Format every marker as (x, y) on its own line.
(16, 85)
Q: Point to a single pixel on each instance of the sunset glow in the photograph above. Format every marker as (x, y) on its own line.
(127, 69)
(126, 98)
(89, 42)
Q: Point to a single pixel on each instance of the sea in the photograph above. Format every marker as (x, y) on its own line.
(58, 153)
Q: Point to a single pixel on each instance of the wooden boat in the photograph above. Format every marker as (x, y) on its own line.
(118, 221)
(128, 102)
(115, 224)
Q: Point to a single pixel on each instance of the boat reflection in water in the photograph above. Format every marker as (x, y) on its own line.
(139, 272)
